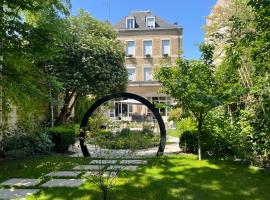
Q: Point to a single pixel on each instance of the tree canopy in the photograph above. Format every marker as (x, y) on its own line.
(91, 63)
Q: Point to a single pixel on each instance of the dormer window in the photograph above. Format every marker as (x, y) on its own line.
(150, 22)
(130, 22)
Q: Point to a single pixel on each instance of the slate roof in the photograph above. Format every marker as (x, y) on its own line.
(140, 21)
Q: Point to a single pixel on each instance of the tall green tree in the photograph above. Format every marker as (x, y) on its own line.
(245, 43)
(194, 87)
(21, 76)
(92, 62)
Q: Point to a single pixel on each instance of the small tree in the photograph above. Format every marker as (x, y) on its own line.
(193, 86)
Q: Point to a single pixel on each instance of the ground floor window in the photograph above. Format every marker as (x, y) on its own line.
(162, 103)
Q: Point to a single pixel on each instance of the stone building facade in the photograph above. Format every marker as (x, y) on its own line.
(148, 41)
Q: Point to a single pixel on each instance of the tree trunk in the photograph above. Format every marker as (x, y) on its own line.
(200, 122)
(1, 74)
(105, 195)
(51, 107)
(69, 102)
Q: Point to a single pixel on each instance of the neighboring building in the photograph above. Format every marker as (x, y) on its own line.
(148, 40)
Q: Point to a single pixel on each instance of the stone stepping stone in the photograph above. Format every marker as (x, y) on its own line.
(105, 174)
(133, 162)
(122, 167)
(64, 174)
(16, 193)
(89, 167)
(26, 182)
(103, 162)
(63, 183)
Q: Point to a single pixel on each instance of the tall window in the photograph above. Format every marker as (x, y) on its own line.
(147, 47)
(131, 73)
(150, 22)
(163, 102)
(130, 48)
(130, 22)
(148, 74)
(165, 47)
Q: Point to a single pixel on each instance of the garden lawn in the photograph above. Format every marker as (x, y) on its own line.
(167, 177)
(173, 132)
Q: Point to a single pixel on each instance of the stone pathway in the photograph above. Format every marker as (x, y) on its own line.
(172, 147)
(26, 182)
(89, 167)
(64, 174)
(103, 162)
(16, 193)
(104, 167)
(63, 183)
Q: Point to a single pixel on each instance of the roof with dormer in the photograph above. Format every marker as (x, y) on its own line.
(140, 21)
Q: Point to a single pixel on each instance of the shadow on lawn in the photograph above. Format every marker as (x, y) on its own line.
(181, 178)
(209, 180)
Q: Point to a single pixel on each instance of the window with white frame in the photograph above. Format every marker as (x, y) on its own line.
(163, 102)
(147, 47)
(148, 73)
(165, 47)
(130, 48)
(131, 73)
(150, 22)
(130, 22)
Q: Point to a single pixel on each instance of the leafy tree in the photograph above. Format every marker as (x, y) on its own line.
(245, 43)
(92, 62)
(21, 45)
(193, 86)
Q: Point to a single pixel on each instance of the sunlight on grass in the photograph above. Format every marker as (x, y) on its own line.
(164, 178)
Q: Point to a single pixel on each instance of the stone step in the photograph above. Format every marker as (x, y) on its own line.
(103, 162)
(25, 182)
(122, 167)
(63, 183)
(104, 174)
(89, 167)
(64, 174)
(16, 193)
(133, 162)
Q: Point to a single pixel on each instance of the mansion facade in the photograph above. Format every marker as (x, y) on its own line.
(148, 41)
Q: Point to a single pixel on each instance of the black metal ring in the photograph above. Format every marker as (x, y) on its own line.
(145, 102)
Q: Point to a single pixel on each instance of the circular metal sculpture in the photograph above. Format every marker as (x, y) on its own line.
(123, 95)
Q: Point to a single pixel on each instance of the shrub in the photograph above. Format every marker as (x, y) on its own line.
(63, 136)
(20, 143)
(127, 139)
(220, 137)
(223, 137)
(186, 124)
(188, 141)
(175, 115)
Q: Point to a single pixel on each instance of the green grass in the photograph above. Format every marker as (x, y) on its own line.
(163, 178)
(173, 132)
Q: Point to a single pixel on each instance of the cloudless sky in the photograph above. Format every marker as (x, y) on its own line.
(190, 14)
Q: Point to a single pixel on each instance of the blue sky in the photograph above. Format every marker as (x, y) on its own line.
(190, 14)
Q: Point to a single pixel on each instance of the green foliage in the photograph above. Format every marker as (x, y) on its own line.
(63, 136)
(19, 143)
(29, 39)
(194, 86)
(223, 137)
(245, 63)
(188, 141)
(81, 106)
(127, 139)
(91, 62)
(186, 124)
(98, 119)
(175, 115)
